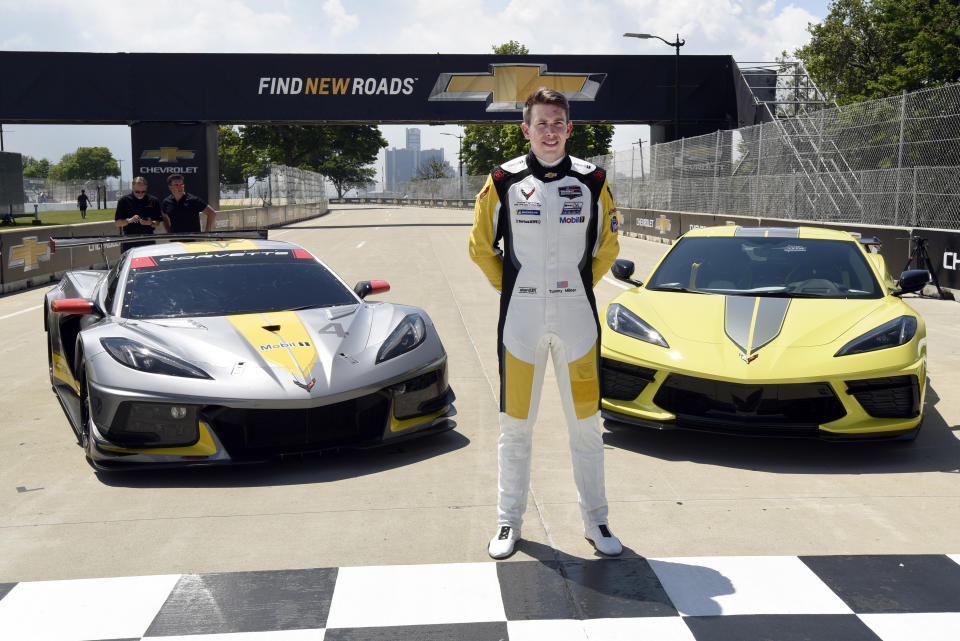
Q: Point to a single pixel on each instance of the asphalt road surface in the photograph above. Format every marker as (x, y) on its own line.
(434, 500)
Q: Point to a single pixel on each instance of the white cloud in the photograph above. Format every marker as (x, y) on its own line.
(341, 20)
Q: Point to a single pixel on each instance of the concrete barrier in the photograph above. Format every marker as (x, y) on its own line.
(26, 260)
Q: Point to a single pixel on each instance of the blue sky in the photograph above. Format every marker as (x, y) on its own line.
(750, 30)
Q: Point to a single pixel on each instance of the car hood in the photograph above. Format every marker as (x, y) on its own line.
(711, 318)
(288, 354)
(742, 328)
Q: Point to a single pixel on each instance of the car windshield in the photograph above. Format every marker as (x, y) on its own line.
(244, 282)
(767, 266)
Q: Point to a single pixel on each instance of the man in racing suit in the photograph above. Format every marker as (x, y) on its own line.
(557, 222)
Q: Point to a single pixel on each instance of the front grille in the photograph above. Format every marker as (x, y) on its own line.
(257, 432)
(622, 381)
(889, 397)
(737, 407)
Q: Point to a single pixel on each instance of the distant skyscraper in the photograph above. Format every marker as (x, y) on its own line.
(413, 138)
(402, 164)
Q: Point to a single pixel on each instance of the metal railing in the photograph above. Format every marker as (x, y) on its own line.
(893, 161)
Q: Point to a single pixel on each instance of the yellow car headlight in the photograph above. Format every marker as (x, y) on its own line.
(623, 321)
(890, 334)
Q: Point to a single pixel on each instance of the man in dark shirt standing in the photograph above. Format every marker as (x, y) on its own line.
(181, 210)
(138, 213)
(83, 201)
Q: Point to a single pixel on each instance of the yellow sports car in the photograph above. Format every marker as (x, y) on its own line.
(766, 331)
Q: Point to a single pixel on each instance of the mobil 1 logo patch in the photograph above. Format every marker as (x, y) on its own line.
(570, 191)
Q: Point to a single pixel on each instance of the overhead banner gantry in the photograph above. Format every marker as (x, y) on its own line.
(695, 94)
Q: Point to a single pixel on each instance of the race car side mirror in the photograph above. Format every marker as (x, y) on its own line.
(73, 306)
(912, 280)
(623, 270)
(366, 287)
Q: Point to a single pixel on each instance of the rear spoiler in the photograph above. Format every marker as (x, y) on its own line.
(64, 242)
(871, 244)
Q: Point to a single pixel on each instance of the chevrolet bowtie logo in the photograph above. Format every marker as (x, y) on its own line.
(505, 87)
(29, 254)
(167, 154)
(663, 224)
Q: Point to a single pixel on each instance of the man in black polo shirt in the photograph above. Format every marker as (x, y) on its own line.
(181, 210)
(138, 213)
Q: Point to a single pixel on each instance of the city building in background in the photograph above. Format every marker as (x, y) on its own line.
(402, 165)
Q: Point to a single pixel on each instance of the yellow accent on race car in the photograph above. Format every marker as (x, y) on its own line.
(397, 425)
(62, 371)
(281, 339)
(203, 447)
(219, 246)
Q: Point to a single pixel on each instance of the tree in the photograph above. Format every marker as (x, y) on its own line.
(33, 168)
(352, 149)
(435, 168)
(87, 163)
(341, 153)
(238, 162)
(486, 146)
(867, 49)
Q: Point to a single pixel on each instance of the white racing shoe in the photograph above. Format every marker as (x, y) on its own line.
(603, 540)
(502, 544)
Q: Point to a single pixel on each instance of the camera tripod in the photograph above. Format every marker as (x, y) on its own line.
(918, 253)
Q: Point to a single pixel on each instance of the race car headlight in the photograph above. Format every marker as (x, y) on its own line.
(890, 334)
(146, 359)
(623, 321)
(408, 334)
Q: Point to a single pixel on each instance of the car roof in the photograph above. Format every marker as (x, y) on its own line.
(721, 231)
(213, 246)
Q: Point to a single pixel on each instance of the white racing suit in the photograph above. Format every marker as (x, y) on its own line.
(558, 228)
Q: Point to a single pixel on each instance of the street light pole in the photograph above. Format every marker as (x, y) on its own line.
(639, 145)
(676, 75)
(459, 138)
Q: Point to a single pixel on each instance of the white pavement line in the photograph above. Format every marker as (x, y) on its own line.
(613, 282)
(22, 311)
(361, 244)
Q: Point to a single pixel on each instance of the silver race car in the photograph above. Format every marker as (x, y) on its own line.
(212, 352)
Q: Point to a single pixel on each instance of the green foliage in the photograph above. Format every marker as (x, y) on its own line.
(237, 161)
(33, 168)
(512, 47)
(867, 49)
(434, 169)
(486, 146)
(341, 153)
(352, 149)
(87, 163)
(590, 140)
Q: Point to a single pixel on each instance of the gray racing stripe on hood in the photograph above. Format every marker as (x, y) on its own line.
(738, 319)
(737, 316)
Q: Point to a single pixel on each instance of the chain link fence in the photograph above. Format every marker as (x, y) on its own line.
(282, 186)
(894, 161)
